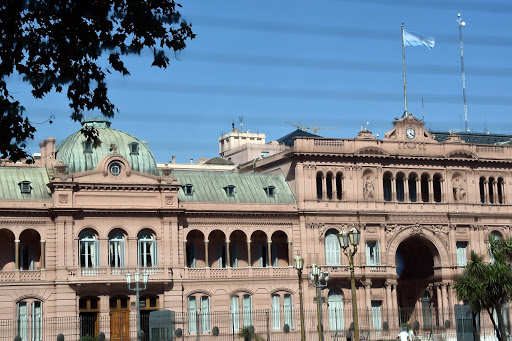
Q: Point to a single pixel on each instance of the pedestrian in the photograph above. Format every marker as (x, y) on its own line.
(349, 335)
(403, 335)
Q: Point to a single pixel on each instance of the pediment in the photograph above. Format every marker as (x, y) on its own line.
(461, 154)
(371, 151)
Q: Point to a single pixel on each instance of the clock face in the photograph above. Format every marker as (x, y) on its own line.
(410, 133)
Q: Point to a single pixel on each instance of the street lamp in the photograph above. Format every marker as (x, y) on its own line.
(137, 288)
(347, 239)
(317, 276)
(299, 265)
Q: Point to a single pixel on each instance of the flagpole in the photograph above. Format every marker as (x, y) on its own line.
(403, 61)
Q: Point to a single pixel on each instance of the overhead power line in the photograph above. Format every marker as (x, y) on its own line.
(336, 31)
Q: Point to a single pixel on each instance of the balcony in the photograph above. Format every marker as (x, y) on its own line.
(22, 275)
(204, 273)
(108, 274)
(373, 271)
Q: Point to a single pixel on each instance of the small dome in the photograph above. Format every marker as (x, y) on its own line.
(81, 155)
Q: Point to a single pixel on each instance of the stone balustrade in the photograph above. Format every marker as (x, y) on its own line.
(247, 272)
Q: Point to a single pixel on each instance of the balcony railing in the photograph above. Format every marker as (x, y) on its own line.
(199, 273)
(118, 274)
(21, 275)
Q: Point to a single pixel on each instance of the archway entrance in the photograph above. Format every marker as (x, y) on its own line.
(416, 258)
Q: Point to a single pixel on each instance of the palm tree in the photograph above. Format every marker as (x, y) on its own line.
(487, 287)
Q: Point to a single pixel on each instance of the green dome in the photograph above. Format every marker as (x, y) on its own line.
(80, 155)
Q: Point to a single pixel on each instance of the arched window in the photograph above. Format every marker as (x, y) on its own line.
(319, 190)
(335, 309)
(437, 188)
(328, 186)
(30, 320)
(89, 247)
(339, 189)
(413, 195)
(492, 199)
(386, 183)
(116, 249)
(481, 184)
(424, 188)
(500, 190)
(332, 248)
(400, 189)
(147, 250)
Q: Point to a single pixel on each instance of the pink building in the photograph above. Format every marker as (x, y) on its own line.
(218, 247)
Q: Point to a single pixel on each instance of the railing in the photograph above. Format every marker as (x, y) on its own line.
(271, 325)
(199, 273)
(20, 275)
(108, 273)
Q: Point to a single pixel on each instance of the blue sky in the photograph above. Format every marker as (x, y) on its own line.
(333, 63)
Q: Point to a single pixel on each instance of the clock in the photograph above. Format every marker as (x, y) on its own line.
(410, 133)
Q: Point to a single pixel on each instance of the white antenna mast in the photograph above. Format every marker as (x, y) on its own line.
(462, 23)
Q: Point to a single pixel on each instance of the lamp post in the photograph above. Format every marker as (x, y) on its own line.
(317, 276)
(346, 240)
(299, 265)
(138, 287)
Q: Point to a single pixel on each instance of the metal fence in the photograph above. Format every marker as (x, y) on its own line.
(374, 324)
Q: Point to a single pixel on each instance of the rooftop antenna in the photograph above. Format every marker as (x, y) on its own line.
(422, 110)
(461, 46)
(486, 131)
(241, 118)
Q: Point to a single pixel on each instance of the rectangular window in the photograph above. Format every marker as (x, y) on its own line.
(37, 321)
(205, 314)
(235, 314)
(147, 253)
(116, 253)
(461, 253)
(276, 318)
(23, 320)
(247, 310)
(288, 310)
(377, 315)
(89, 253)
(192, 315)
(372, 253)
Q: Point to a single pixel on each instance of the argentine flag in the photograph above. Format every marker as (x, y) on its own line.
(415, 39)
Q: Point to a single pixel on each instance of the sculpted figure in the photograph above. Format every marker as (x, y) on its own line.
(368, 188)
(459, 192)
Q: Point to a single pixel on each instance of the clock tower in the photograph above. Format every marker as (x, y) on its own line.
(409, 129)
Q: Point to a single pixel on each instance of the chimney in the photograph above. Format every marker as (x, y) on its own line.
(48, 152)
(173, 159)
(191, 161)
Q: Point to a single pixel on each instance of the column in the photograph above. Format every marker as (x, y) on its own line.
(290, 253)
(185, 256)
(419, 195)
(443, 190)
(269, 253)
(334, 188)
(446, 307)
(249, 261)
(394, 298)
(393, 189)
(206, 256)
(389, 304)
(439, 302)
(16, 254)
(486, 190)
(494, 192)
(406, 189)
(503, 192)
(430, 190)
(228, 254)
(367, 296)
(343, 188)
(42, 262)
(324, 187)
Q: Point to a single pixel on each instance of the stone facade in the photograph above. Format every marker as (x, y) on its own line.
(420, 205)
